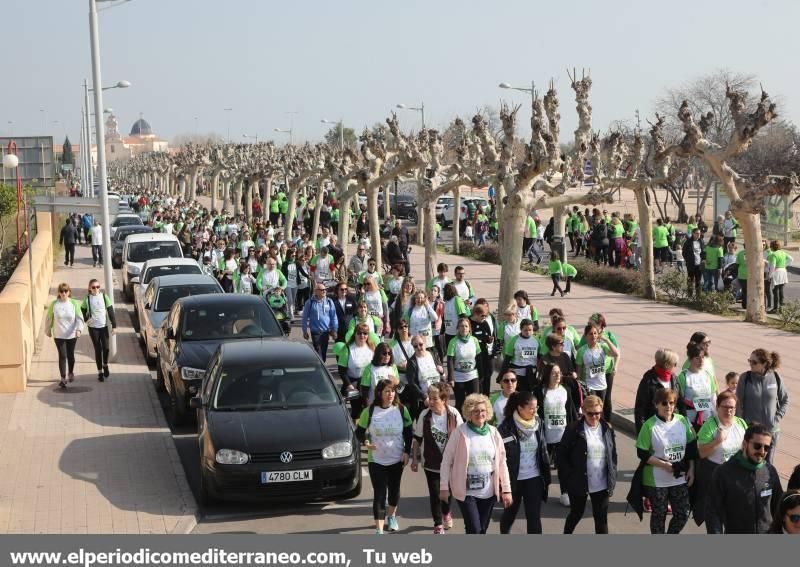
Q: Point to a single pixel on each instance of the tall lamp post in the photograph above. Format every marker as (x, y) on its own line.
(531, 90)
(285, 131)
(87, 114)
(251, 137)
(341, 130)
(228, 114)
(420, 109)
(97, 82)
(11, 161)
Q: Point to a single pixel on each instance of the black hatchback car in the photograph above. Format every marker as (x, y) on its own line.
(273, 425)
(191, 333)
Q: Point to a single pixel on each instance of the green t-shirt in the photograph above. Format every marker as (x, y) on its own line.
(667, 441)
(778, 259)
(713, 256)
(741, 262)
(569, 270)
(385, 435)
(619, 230)
(660, 237)
(554, 267)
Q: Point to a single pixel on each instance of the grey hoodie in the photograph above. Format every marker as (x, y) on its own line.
(761, 399)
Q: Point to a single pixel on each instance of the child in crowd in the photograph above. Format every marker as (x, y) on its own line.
(469, 233)
(731, 381)
(556, 270)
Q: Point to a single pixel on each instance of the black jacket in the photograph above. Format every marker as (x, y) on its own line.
(572, 458)
(343, 315)
(394, 255)
(644, 407)
(510, 434)
(69, 234)
(572, 412)
(688, 253)
(742, 501)
(402, 236)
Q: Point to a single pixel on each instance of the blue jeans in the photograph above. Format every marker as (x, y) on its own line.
(477, 512)
(320, 343)
(711, 279)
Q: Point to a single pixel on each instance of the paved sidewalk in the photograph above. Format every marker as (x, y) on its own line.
(642, 327)
(97, 457)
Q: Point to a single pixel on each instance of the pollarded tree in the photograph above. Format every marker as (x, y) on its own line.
(299, 165)
(747, 196)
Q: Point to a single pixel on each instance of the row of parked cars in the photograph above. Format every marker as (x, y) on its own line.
(271, 420)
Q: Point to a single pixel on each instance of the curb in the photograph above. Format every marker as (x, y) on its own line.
(185, 524)
(623, 421)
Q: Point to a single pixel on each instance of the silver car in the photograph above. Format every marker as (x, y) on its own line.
(158, 298)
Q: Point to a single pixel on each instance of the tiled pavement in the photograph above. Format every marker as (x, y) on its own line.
(642, 327)
(97, 457)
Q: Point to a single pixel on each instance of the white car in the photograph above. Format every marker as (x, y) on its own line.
(138, 249)
(124, 219)
(157, 268)
(445, 205)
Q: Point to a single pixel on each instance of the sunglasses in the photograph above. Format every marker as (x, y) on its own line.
(95, 287)
(418, 345)
(362, 334)
(760, 446)
(509, 381)
(794, 518)
(63, 291)
(593, 413)
(729, 408)
(666, 403)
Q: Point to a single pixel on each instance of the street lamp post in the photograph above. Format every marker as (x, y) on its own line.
(285, 131)
(87, 111)
(420, 109)
(341, 130)
(228, 114)
(97, 81)
(251, 137)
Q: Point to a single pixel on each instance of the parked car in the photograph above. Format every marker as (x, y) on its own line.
(118, 241)
(158, 298)
(156, 268)
(273, 425)
(194, 328)
(445, 206)
(138, 249)
(125, 219)
(400, 206)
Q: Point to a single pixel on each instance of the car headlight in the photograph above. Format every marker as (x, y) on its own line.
(192, 373)
(338, 450)
(231, 457)
(134, 269)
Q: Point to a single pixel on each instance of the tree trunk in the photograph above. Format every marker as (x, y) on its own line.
(193, 183)
(237, 196)
(226, 194)
(374, 225)
(266, 202)
(318, 211)
(646, 230)
(252, 187)
(457, 221)
(215, 189)
(344, 226)
(751, 226)
(182, 187)
(429, 225)
(704, 198)
(387, 205)
(287, 227)
(559, 219)
(513, 223)
(420, 215)
(500, 193)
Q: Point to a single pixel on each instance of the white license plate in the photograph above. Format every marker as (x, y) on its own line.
(286, 476)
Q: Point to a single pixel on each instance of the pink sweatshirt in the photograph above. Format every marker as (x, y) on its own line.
(453, 472)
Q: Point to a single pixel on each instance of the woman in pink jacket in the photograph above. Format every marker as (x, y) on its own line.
(474, 466)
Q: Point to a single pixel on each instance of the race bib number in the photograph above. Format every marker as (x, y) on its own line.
(476, 481)
(556, 420)
(675, 453)
(597, 371)
(466, 366)
(702, 404)
(424, 332)
(527, 353)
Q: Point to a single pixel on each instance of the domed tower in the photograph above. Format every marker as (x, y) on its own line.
(141, 128)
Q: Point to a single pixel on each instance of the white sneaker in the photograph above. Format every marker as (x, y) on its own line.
(564, 500)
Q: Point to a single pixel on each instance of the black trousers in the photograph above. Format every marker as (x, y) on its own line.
(477, 513)
(97, 253)
(69, 254)
(66, 354)
(607, 409)
(385, 479)
(552, 450)
(530, 491)
(464, 389)
(100, 341)
(777, 296)
(577, 505)
(438, 507)
(743, 287)
(694, 279)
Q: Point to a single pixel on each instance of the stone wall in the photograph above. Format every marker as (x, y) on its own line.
(19, 323)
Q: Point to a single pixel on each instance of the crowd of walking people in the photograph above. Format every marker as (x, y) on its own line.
(425, 356)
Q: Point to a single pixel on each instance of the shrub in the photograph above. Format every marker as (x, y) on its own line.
(672, 284)
(790, 314)
(489, 253)
(716, 302)
(618, 280)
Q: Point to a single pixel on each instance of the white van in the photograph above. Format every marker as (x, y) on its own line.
(138, 249)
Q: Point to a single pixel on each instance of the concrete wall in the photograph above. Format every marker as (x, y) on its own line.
(18, 331)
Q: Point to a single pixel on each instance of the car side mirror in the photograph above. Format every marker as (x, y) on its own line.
(135, 280)
(196, 403)
(170, 334)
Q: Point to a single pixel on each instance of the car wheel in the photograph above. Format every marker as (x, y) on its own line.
(412, 216)
(127, 292)
(160, 387)
(177, 410)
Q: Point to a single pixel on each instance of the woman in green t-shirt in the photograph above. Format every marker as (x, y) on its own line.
(555, 270)
(712, 265)
(777, 260)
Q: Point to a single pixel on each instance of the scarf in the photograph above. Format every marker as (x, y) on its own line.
(464, 339)
(526, 428)
(746, 463)
(663, 374)
(479, 430)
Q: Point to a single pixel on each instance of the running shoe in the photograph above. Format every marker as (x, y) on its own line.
(391, 524)
(448, 521)
(105, 371)
(438, 530)
(62, 384)
(378, 532)
(71, 377)
(647, 506)
(100, 377)
(564, 500)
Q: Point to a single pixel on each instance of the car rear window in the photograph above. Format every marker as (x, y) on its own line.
(246, 388)
(227, 320)
(170, 294)
(157, 271)
(143, 251)
(126, 221)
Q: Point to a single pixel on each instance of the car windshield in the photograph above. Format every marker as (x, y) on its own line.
(444, 201)
(157, 271)
(144, 251)
(123, 233)
(226, 321)
(170, 294)
(125, 221)
(247, 388)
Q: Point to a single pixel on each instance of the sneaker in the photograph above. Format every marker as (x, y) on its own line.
(391, 524)
(62, 384)
(647, 506)
(71, 377)
(448, 521)
(100, 377)
(438, 530)
(105, 371)
(378, 531)
(564, 500)
(669, 509)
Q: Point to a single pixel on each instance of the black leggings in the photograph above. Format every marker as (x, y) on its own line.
(100, 341)
(607, 409)
(302, 297)
(530, 490)
(464, 389)
(384, 478)
(777, 296)
(66, 354)
(552, 450)
(577, 504)
(438, 507)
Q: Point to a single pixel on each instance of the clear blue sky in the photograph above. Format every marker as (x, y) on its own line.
(356, 59)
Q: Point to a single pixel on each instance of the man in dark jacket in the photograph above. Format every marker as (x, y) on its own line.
(401, 233)
(394, 255)
(69, 236)
(745, 491)
(345, 305)
(693, 254)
